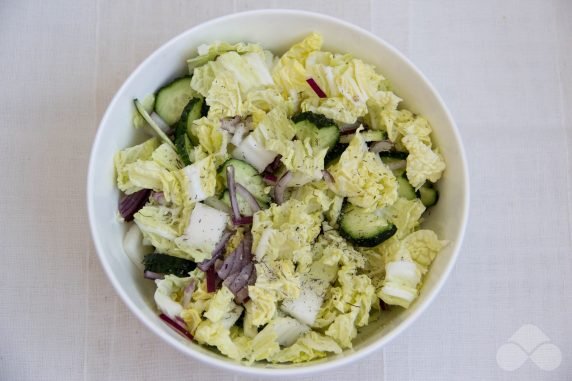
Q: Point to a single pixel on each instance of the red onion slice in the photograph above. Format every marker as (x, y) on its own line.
(349, 128)
(232, 192)
(269, 179)
(216, 253)
(177, 327)
(245, 220)
(281, 186)
(212, 280)
(242, 296)
(328, 178)
(188, 293)
(254, 206)
(130, 204)
(153, 276)
(159, 197)
(319, 92)
(382, 146)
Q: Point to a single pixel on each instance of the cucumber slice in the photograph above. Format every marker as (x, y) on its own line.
(322, 132)
(428, 194)
(243, 205)
(334, 154)
(396, 155)
(247, 176)
(404, 188)
(184, 147)
(364, 228)
(145, 115)
(172, 98)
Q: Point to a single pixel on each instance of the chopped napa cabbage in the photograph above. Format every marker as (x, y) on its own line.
(410, 124)
(167, 157)
(274, 126)
(422, 162)
(250, 70)
(261, 101)
(215, 334)
(280, 277)
(200, 179)
(211, 138)
(221, 305)
(169, 293)
(361, 176)
(310, 346)
(211, 51)
(282, 331)
(289, 74)
(130, 155)
(406, 262)
(262, 305)
(406, 215)
(318, 197)
(348, 82)
(423, 246)
(224, 98)
(293, 231)
(306, 305)
(300, 157)
(382, 113)
(161, 225)
(203, 232)
(203, 78)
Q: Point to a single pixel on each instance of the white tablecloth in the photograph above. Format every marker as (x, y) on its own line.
(503, 67)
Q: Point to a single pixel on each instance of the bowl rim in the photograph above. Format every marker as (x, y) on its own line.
(229, 364)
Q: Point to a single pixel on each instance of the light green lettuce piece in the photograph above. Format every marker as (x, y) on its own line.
(343, 329)
(422, 162)
(224, 97)
(410, 124)
(318, 197)
(251, 70)
(402, 280)
(211, 51)
(199, 179)
(290, 73)
(260, 101)
(300, 157)
(292, 232)
(261, 307)
(161, 225)
(338, 108)
(265, 344)
(406, 215)
(167, 157)
(203, 78)
(221, 305)
(382, 113)
(361, 176)
(150, 175)
(130, 155)
(348, 84)
(212, 140)
(217, 335)
(274, 126)
(423, 246)
(310, 346)
(168, 295)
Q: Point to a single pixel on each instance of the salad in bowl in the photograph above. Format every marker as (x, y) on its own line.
(277, 200)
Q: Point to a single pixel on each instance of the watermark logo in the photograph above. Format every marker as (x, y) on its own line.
(529, 342)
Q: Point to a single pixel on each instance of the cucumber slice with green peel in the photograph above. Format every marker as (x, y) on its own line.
(243, 205)
(172, 98)
(247, 176)
(363, 228)
(397, 155)
(145, 115)
(428, 195)
(334, 154)
(191, 112)
(184, 147)
(322, 132)
(404, 188)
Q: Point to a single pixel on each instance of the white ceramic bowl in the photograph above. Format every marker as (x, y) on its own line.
(275, 30)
